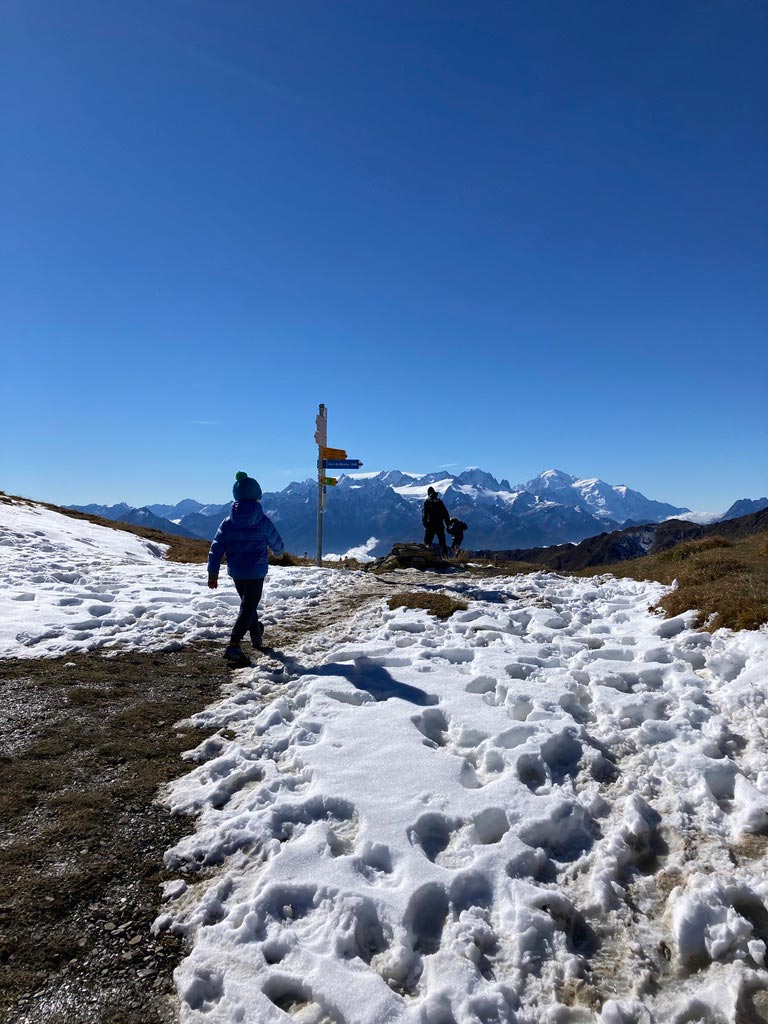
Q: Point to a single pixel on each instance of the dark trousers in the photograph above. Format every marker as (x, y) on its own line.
(429, 534)
(457, 539)
(248, 616)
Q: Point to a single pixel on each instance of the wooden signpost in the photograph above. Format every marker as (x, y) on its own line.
(327, 458)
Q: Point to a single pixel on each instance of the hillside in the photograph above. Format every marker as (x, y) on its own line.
(555, 732)
(726, 581)
(608, 549)
(180, 548)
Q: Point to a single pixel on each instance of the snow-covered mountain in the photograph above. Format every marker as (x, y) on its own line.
(606, 501)
(553, 508)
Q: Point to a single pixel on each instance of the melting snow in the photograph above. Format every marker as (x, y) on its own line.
(69, 585)
(481, 820)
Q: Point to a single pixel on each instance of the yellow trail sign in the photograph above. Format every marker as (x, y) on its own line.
(330, 481)
(332, 453)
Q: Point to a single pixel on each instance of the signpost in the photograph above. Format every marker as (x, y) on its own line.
(327, 458)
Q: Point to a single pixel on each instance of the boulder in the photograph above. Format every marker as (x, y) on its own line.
(412, 556)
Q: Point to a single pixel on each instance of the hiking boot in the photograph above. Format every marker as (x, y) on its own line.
(235, 655)
(257, 634)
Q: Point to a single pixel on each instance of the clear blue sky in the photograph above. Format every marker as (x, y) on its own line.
(510, 234)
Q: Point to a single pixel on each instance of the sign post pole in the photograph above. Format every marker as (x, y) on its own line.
(327, 458)
(321, 439)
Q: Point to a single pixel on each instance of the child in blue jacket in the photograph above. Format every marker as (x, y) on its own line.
(244, 537)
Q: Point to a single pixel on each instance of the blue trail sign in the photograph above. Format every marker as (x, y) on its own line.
(342, 463)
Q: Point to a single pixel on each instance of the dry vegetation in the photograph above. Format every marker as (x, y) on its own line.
(495, 566)
(726, 580)
(84, 746)
(440, 605)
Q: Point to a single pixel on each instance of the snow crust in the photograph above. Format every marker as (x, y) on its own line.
(550, 808)
(68, 585)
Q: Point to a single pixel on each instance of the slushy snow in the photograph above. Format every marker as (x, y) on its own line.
(69, 586)
(552, 807)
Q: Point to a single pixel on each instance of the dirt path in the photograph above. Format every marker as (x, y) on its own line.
(85, 742)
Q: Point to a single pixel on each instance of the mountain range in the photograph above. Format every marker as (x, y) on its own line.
(375, 510)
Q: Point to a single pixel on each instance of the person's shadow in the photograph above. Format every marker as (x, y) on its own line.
(363, 674)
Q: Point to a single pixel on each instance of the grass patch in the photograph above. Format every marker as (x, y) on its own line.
(440, 605)
(725, 581)
(287, 559)
(82, 695)
(691, 548)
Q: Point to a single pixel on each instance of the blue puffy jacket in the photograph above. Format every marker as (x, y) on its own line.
(244, 537)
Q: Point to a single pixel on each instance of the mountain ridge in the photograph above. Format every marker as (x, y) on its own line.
(634, 542)
(551, 508)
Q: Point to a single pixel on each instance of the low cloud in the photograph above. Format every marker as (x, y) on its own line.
(362, 553)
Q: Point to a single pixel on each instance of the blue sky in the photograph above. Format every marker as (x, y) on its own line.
(514, 235)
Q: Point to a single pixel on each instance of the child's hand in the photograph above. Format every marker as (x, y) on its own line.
(213, 582)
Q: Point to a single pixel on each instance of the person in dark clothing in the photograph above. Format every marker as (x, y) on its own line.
(434, 516)
(456, 529)
(245, 537)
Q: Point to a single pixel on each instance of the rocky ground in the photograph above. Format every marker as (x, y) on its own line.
(85, 744)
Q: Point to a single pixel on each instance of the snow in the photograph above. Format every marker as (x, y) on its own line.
(419, 491)
(420, 821)
(70, 586)
(552, 807)
(372, 474)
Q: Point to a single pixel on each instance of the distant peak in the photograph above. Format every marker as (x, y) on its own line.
(551, 478)
(478, 477)
(555, 474)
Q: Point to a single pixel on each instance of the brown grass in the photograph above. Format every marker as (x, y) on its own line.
(725, 581)
(690, 548)
(440, 605)
(83, 752)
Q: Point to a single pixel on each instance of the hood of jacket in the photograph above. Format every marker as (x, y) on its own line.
(246, 513)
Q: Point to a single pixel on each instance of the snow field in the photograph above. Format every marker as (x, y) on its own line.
(72, 586)
(550, 808)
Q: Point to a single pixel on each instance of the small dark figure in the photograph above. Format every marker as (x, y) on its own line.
(244, 537)
(456, 529)
(434, 516)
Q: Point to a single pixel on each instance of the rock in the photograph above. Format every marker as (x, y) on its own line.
(412, 556)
